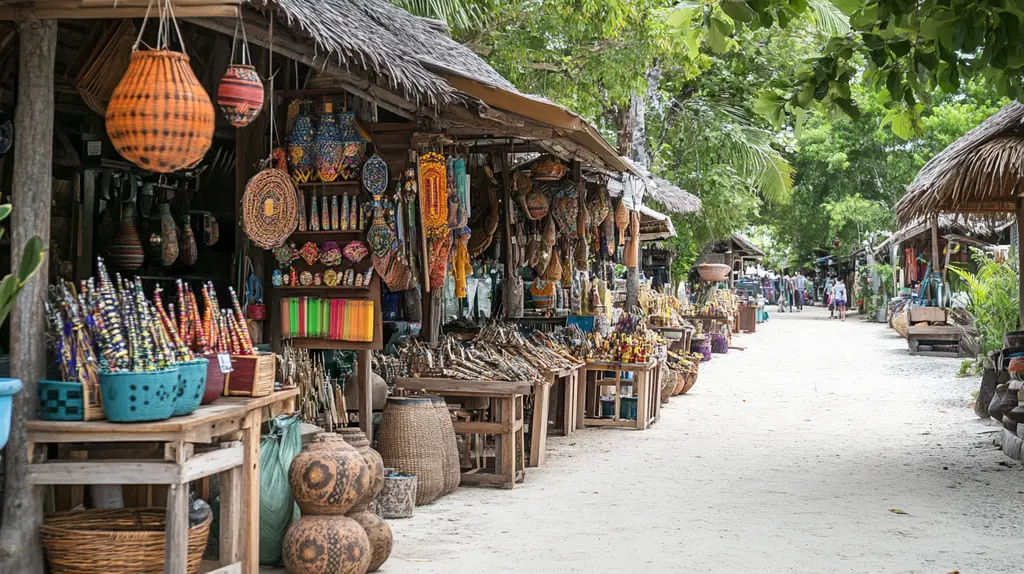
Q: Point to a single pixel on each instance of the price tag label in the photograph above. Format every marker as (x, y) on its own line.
(224, 360)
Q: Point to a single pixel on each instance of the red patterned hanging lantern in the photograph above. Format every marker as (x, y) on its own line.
(240, 94)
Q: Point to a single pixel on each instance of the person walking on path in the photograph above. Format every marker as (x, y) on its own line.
(790, 287)
(800, 289)
(840, 296)
(830, 285)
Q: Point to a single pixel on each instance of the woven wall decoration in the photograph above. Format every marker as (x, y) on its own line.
(160, 117)
(270, 208)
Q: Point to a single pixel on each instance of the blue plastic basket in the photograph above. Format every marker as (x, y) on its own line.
(130, 397)
(8, 387)
(191, 386)
(61, 401)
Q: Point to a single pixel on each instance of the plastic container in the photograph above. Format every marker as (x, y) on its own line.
(61, 401)
(191, 387)
(627, 408)
(8, 388)
(214, 380)
(130, 397)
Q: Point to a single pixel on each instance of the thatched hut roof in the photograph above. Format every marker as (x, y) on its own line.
(948, 224)
(980, 173)
(382, 38)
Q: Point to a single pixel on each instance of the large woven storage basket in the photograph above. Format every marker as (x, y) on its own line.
(410, 442)
(451, 467)
(125, 541)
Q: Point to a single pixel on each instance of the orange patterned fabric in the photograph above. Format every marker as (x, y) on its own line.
(160, 117)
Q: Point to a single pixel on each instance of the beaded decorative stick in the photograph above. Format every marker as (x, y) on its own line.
(247, 346)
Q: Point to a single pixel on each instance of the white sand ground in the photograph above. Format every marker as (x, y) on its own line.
(786, 457)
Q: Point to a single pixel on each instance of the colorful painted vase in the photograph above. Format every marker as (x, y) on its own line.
(328, 147)
(189, 252)
(126, 251)
(240, 95)
(301, 148)
(353, 146)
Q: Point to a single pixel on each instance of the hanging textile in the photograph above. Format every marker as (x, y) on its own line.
(461, 266)
(433, 186)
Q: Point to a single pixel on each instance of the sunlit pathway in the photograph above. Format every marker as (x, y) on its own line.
(786, 457)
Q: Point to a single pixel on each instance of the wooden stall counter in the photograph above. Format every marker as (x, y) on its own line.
(189, 454)
(505, 424)
(646, 391)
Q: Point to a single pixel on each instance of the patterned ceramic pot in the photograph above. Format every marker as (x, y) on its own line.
(168, 235)
(326, 545)
(379, 534)
(240, 95)
(374, 462)
(329, 476)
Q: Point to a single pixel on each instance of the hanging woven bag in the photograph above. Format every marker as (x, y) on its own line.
(240, 92)
(160, 117)
(622, 220)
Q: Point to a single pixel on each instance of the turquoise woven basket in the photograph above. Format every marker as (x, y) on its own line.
(61, 401)
(191, 386)
(130, 397)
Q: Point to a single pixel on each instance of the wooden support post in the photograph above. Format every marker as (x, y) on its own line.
(230, 516)
(1020, 253)
(935, 244)
(365, 394)
(176, 548)
(251, 493)
(506, 217)
(20, 550)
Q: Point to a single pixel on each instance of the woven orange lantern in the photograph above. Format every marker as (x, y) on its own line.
(160, 117)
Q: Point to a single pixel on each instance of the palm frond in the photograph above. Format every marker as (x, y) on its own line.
(829, 19)
(460, 14)
(752, 155)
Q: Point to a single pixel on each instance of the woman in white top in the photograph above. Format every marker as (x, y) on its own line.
(840, 297)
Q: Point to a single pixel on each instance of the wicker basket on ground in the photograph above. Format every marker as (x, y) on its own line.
(451, 467)
(410, 442)
(126, 541)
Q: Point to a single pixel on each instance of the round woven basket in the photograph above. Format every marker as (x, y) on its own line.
(410, 442)
(270, 208)
(451, 469)
(126, 541)
(160, 117)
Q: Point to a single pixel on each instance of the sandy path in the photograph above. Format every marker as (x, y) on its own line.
(784, 458)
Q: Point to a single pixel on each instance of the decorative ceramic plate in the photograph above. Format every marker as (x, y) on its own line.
(309, 252)
(375, 175)
(306, 278)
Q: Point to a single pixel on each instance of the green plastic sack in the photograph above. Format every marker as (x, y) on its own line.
(277, 507)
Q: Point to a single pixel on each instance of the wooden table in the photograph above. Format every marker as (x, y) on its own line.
(189, 454)
(646, 383)
(506, 407)
(564, 394)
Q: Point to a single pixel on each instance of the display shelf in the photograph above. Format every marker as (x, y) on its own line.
(330, 344)
(315, 235)
(288, 288)
(320, 184)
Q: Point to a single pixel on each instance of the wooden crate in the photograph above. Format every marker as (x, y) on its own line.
(251, 375)
(929, 314)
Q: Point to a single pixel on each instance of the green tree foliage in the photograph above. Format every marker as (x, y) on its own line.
(994, 292)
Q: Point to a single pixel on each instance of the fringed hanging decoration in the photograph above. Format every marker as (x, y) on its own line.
(433, 186)
(461, 267)
(270, 211)
(301, 147)
(240, 92)
(160, 117)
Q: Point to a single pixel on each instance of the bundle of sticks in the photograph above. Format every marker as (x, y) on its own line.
(480, 360)
(321, 401)
(543, 354)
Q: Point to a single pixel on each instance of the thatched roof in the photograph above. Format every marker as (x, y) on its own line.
(948, 224)
(980, 173)
(744, 248)
(379, 37)
(670, 196)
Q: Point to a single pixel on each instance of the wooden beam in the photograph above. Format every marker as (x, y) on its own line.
(81, 13)
(365, 393)
(20, 549)
(1020, 255)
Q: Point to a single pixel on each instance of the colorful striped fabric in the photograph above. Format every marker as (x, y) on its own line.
(332, 319)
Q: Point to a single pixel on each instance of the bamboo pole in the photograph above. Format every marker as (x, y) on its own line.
(20, 549)
(1020, 255)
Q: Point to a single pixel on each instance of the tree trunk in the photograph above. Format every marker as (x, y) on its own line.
(634, 144)
(33, 155)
